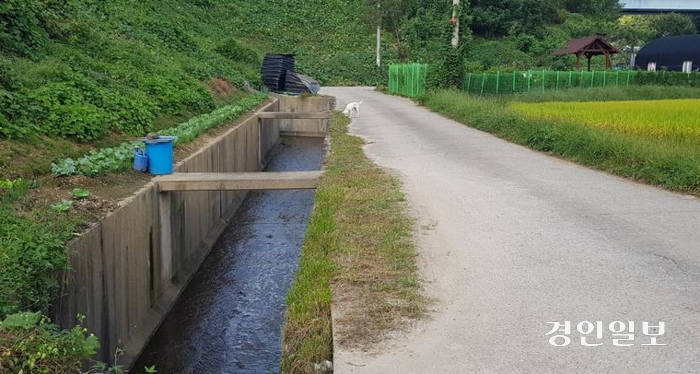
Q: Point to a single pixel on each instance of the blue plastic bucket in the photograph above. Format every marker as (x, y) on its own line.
(160, 155)
(140, 161)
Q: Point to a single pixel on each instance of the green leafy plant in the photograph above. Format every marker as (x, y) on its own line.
(115, 159)
(32, 250)
(64, 168)
(13, 189)
(30, 344)
(80, 193)
(103, 368)
(63, 206)
(190, 130)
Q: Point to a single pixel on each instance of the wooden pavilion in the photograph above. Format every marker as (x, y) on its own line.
(589, 47)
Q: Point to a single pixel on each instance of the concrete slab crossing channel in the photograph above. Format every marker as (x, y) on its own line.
(128, 271)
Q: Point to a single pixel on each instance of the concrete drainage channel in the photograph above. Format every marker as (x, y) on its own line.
(164, 251)
(229, 318)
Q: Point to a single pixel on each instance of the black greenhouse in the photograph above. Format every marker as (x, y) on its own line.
(674, 53)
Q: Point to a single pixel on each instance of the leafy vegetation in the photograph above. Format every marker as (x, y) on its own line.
(358, 247)
(29, 261)
(32, 158)
(80, 193)
(190, 130)
(13, 189)
(63, 206)
(513, 34)
(671, 162)
(530, 47)
(331, 39)
(79, 70)
(114, 159)
(30, 344)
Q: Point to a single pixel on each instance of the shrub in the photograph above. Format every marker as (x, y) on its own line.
(499, 54)
(30, 344)
(667, 78)
(29, 261)
(236, 51)
(448, 71)
(59, 109)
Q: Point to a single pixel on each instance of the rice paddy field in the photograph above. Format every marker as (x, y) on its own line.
(649, 134)
(669, 119)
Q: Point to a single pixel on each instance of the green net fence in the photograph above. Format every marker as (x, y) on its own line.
(409, 80)
(526, 81)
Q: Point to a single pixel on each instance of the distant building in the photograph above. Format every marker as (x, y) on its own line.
(674, 53)
(660, 6)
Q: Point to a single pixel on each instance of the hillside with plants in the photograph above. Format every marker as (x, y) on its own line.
(82, 71)
(81, 80)
(78, 75)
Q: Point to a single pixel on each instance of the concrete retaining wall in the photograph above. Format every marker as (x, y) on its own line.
(122, 279)
(306, 127)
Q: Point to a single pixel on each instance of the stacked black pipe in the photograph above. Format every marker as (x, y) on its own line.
(275, 69)
(299, 83)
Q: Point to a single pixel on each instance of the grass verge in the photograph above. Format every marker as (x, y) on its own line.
(671, 163)
(359, 252)
(606, 94)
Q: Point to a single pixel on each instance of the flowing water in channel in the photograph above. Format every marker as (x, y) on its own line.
(229, 318)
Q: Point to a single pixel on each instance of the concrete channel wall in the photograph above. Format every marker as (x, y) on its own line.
(306, 127)
(123, 280)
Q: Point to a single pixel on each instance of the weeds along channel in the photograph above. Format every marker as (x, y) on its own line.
(358, 251)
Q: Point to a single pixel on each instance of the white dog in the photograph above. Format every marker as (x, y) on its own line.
(352, 109)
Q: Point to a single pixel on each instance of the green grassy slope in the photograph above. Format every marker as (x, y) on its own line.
(81, 69)
(92, 73)
(332, 39)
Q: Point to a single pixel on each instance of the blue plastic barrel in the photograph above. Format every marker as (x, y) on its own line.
(160, 155)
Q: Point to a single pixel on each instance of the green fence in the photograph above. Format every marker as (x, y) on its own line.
(543, 80)
(407, 79)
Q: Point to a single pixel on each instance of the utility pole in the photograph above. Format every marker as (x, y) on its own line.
(379, 33)
(455, 20)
